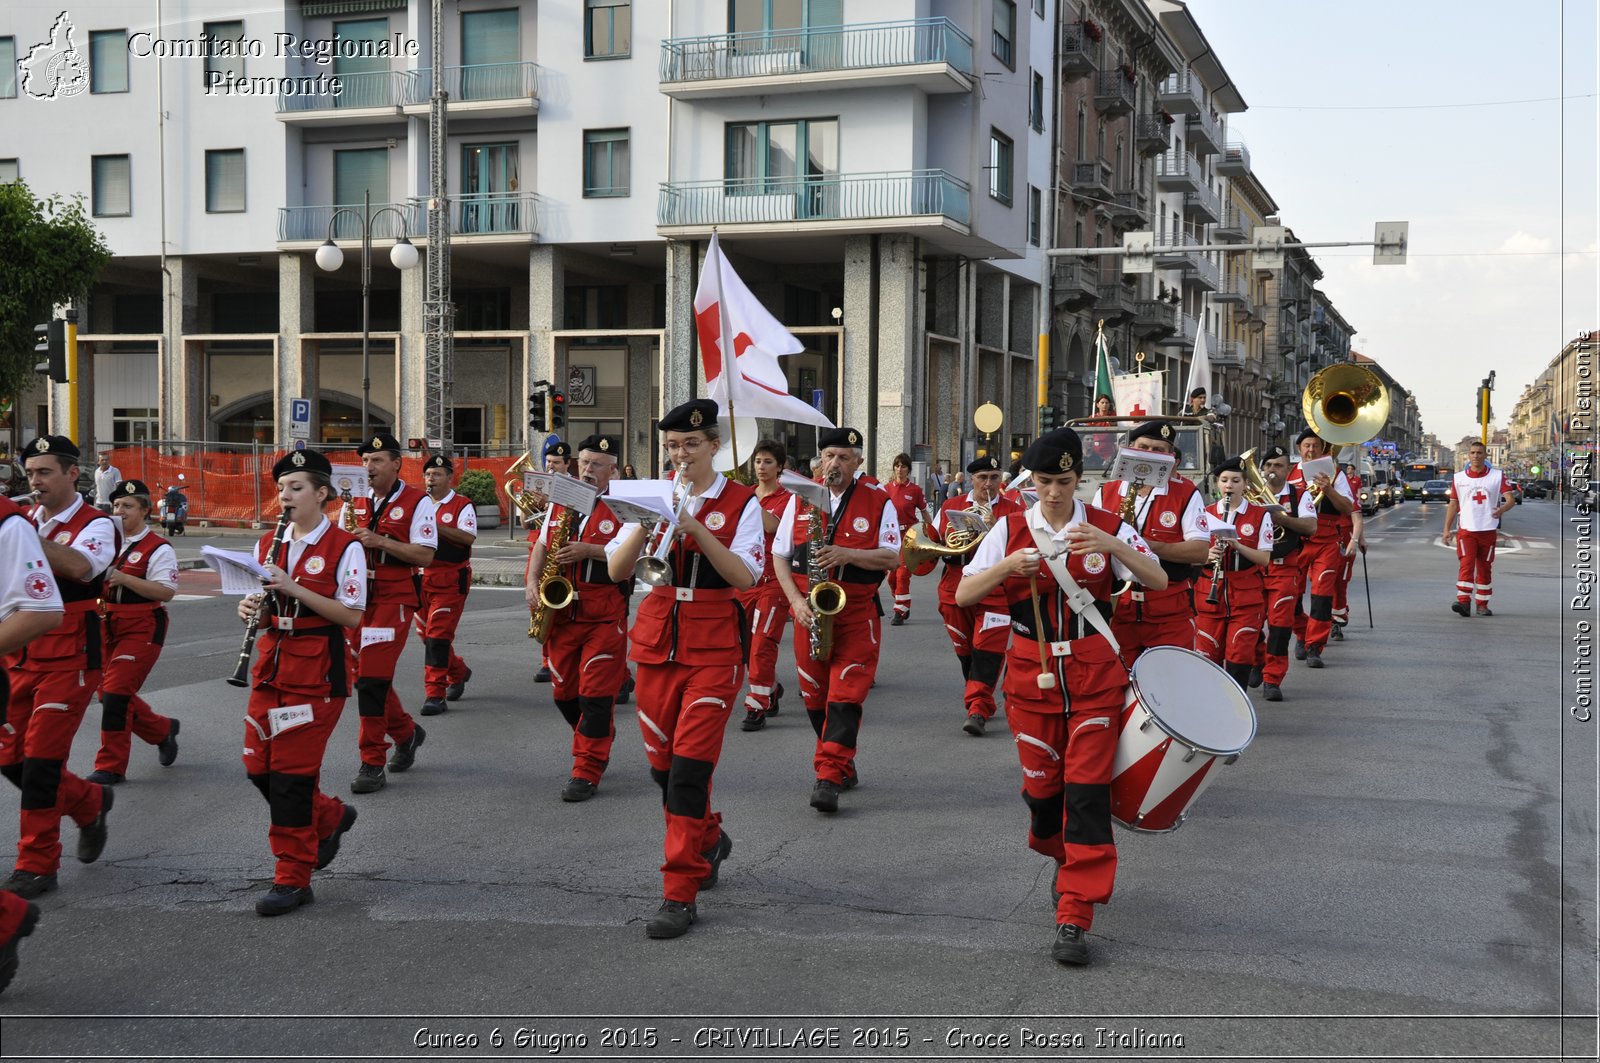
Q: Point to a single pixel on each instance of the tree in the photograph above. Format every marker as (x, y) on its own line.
(50, 253)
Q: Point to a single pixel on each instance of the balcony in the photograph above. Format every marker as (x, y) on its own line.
(1079, 52)
(931, 54)
(1188, 331)
(309, 225)
(346, 99)
(1235, 161)
(473, 215)
(491, 214)
(1117, 299)
(502, 89)
(1202, 274)
(1233, 289)
(1204, 134)
(1179, 254)
(1178, 171)
(1092, 179)
(1227, 354)
(1113, 93)
(1202, 205)
(1181, 93)
(1152, 134)
(1233, 227)
(914, 198)
(1155, 319)
(1128, 209)
(1076, 282)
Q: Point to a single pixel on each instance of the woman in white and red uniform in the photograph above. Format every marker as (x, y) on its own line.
(764, 606)
(1230, 627)
(910, 505)
(301, 678)
(142, 578)
(1066, 735)
(1479, 495)
(688, 642)
(445, 583)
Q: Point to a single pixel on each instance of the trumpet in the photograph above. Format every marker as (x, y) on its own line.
(654, 568)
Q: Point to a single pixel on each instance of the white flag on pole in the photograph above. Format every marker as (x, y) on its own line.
(1200, 371)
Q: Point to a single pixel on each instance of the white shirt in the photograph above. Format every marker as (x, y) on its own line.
(992, 550)
(163, 565)
(620, 530)
(105, 482)
(97, 542)
(466, 521)
(352, 590)
(749, 539)
(1194, 514)
(424, 519)
(25, 578)
(888, 522)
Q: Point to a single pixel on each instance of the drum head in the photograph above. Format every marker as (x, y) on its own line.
(1193, 700)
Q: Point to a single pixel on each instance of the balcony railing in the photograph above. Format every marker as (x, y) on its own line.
(1128, 209)
(300, 224)
(383, 88)
(483, 81)
(1077, 282)
(1092, 178)
(1233, 226)
(1202, 273)
(1113, 92)
(1235, 161)
(1202, 204)
(1079, 51)
(864, 196)
(1233, 289)
(1152, 134)
(1116, 300)
(1228, 353)
(1178, 171)
(763, 53)
(491, 213)
(1155, 318)
(1181, 93)
(1181, 256)
(1204, 133)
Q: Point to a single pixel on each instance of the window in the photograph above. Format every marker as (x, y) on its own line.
(1035, 209)
(1036, 103)
(8, 68)
(8, 171)
(225, 181)
(1000, 166)
(1038, 8)
(358, 172)
(489, 181)
(607, 29)
(108, 61)
(1100, 140)
(490, 42)
(1083, 132)
(360, 66)
(773, 156)
(133, 424)
(112, 181)
(1004, 39)
(605, 163)
(224, 52)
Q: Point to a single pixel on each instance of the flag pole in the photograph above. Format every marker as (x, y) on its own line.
(730, 359)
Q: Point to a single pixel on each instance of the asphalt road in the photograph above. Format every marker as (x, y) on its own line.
(1403, 863)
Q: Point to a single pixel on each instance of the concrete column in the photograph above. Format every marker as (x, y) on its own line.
(296, 371)
(860, 313)
(546, 298)
(411, 362)
(898, 351)
(680, 379)
(183, 376)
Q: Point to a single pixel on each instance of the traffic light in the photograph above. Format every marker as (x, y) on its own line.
(558, 410)
(537, 416)
(52, 350)
(1047, 418)
(1534, 470)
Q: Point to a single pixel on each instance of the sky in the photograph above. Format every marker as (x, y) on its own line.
(1413, 110)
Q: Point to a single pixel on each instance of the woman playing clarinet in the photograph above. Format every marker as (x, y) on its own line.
(1065, 685)
(1230, 597)
(316, 588)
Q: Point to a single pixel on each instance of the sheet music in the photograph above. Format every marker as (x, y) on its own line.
(351, 479)
(1221, 529)
(808, 490)
(241, 573)
(566, 491)
(644, 501)
(1144, 466)
(1318, 467)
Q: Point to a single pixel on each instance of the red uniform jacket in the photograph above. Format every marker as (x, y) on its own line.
(299, 651)
(599, 599)
(1162, 522)
(451, 567)
(950, 578)
(907, 498)
(391, 582)
(775, 504)
(1241, 580)
(854, 526)
(130, 615)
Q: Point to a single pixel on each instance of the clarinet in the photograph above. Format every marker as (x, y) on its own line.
(1219, 566)
(241, 671)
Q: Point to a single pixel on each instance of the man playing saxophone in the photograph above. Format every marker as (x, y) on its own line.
(860, 545)
(587, 641)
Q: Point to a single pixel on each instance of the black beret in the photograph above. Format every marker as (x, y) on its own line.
(132, 487)
(559, 449)
(301, 461)
(1156, 429)
(1273, 452)
(439, 461)
(838, 437)
(1231, 465)
(1306, 433)
(607, 445)
(380, 441)
(696, 415)
(60, 445)
(1054, 452)
(985, 464)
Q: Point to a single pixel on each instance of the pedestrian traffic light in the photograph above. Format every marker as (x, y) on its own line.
(558, 410)
(1047, 418)
(1534, 469)
(537, 416)
(52, 350)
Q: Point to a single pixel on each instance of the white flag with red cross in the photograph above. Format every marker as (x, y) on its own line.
(1138, 394)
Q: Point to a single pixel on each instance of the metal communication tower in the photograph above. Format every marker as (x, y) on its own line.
(438, 311)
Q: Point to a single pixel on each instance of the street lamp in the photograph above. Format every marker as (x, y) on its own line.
(403, 255)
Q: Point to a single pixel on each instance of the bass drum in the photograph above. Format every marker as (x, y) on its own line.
(1184, 716)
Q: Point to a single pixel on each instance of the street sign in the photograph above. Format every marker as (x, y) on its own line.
(1136, 253)
(1389, 243)
(1271, 236)
(817, 399)
(299, 418)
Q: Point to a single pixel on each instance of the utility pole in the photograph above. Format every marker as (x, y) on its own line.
(438, 310)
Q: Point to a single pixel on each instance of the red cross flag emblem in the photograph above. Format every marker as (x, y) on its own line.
(1479, 497)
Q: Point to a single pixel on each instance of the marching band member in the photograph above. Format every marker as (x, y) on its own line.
(445, 583)
(558, 460)
(860, 545)
(1064, 719)
(687, 642)
(1352, 537)
(1230, 628)
(1285, 575)
(1479, 496)
(53, 676)
(764, 604)
(142, 578)
(317, 592)
(396, 526)
(588, 642)
(909, 505)
(1321, 550)
(979, 635)
(1172, 521)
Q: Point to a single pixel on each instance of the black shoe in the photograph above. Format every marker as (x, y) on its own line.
(754, 720)
(405, 753)
(715, 856)
(369, 779)
(852, 778)
(103, 778)
(8, 948)
(671, 920)
(1314, 658)
(899, 618)
(27, 885)
(167, 748)
(281, 900)
(974, 725)
(328, 848)
(1255, 678)
(454, 691)
(777, 696)
(433, 706)
(1484, 610)
(825, 796)
(627, 689)
(1069, 946)
(1271, 692)
(1337, 634)
(1299, 650)
(542, 675)
(1461, 608)
(578, 789)
(92, 838)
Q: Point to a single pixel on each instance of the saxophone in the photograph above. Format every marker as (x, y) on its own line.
(555, 590)
(825, 596)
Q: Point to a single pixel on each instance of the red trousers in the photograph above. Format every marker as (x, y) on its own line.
(835, 690)
(767, 612)
(42, 716)
(900, 587)
(1341, 591)
(1322, 564)
(444, 598)
(683, 712)
(979, 636)
(1475, 549)
(378, 642)
(588, 664)
(285, 769)
(1138, 627)
(1231, 630)
(132, 646)
(1066, 781)
(1284, 617)
(12, 909)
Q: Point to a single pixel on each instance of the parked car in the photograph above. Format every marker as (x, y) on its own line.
(1435, 491)
(1516, 491)
(1547, 488)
